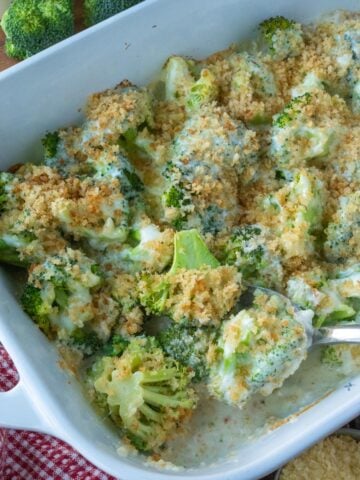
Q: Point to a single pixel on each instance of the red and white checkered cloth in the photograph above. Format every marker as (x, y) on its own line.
(32, 456)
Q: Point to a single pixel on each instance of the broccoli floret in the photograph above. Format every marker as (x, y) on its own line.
(253, 86)
(284, 37)
(200, 184)
(306, 129)
(297, 209)
(84, 340)
(148, 249)
(98, 10)
(147, 394)
(50, 143)
(34, 305)
(328, 298)
(115, 347)
(189, 345)
(100, 213)
(193, 289)
(33, 25)
(184, 86)
(247, 249)
(190, 252)
(257, 349)
(62, 288)
(343, 232)
(203, 91)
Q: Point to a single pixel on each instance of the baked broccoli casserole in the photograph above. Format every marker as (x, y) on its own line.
(142, 226)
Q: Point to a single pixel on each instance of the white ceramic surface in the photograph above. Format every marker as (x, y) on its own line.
(45, 92)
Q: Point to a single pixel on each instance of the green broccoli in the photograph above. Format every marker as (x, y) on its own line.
(329, 298)
(257, 349)
(188, 345)
(85, 341)
(115, 346)
(199, 185)
(283, 37)
(292, 110)
(58, 295)
(33, 25)
(10, 247)
(148, 248)
(50, 143)
(98, 10)
(192, 290)
(147, 393)
(187, 85)
(247, 249)
(190, 252)
(5, 185)
(343, 232)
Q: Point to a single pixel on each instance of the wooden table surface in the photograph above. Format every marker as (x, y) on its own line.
(6, 62)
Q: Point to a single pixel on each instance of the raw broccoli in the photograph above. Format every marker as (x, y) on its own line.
(189, 346)
(147, 394)
(58, 295)
(247, 249)
(33, 25)
(283, 37)
(257, 349)
(98, 10)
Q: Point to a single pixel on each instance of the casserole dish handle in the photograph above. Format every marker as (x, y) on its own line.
(18, 411)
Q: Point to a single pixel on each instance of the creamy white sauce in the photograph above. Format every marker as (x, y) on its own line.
(218, 431)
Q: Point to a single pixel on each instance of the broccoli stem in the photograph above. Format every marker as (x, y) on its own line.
(191, 252)
(10, 256)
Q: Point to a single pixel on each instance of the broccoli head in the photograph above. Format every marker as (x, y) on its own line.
(50, 143)
(248, 249)
(196, 289)
(98, 10)
(33, 25)
(257, 349)
(58, 295)
(283, 37)
(189, 345)
(147, 393)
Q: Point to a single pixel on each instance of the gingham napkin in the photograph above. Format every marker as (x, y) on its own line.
(32, 456)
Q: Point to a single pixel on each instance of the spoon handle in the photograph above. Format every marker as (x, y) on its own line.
(338, 334)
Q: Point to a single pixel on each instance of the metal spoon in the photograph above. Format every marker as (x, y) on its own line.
(319, 336)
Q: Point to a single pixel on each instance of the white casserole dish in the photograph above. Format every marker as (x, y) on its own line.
(44, 93)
